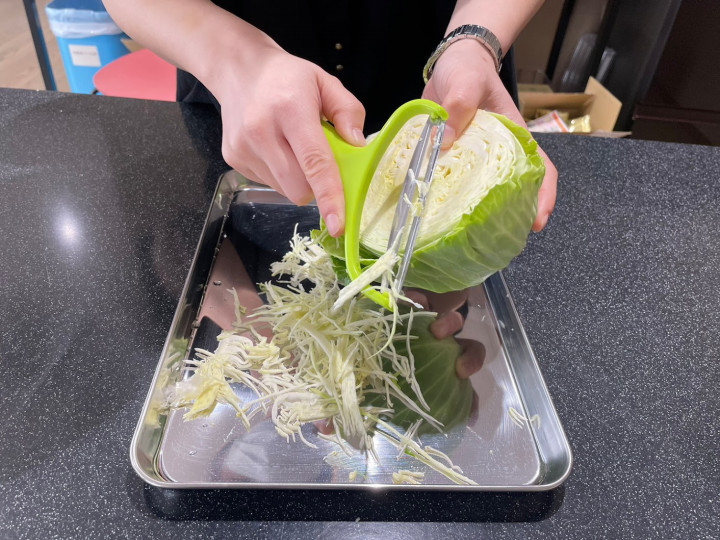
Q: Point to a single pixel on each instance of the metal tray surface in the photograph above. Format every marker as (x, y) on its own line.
(247, 228)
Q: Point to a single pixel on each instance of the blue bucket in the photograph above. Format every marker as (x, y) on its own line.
(88, 38)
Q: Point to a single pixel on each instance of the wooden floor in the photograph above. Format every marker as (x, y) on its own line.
(19, 67)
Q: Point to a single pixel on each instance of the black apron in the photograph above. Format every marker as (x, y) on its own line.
(377, 48)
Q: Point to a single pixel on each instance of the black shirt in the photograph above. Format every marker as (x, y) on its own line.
(377, 48)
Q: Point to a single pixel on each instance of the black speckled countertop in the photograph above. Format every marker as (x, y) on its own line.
(102, 202)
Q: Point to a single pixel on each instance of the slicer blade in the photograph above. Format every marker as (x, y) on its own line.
(415, 190)
(402, 210)
(357, 167)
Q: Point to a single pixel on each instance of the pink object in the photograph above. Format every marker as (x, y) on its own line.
(141, 74)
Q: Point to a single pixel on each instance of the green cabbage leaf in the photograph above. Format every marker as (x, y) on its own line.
(448, 397)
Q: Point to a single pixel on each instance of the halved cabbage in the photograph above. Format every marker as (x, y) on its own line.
(479, 211)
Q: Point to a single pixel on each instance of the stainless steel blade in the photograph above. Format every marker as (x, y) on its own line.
(437, 136)
(402, 211)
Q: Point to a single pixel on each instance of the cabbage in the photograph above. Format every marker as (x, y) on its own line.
(479, 211)
(448, 397)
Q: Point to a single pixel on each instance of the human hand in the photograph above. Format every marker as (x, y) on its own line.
(448, 323)
(271, 111)
(464, 79)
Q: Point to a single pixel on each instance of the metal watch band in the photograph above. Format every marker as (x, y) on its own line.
(473, 31)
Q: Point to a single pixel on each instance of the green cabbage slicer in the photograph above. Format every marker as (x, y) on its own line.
(357, 166)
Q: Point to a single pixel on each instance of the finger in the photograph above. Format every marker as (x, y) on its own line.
(266, 178)
(471, 360)
(342, 109)
(461, 103)
(547, 195)
(244, 153)
(447, 324)
(449, 301)
(418, 297)
(312, 151)
(326, 427)
(284, 167)
(262, 175)
(502, 103)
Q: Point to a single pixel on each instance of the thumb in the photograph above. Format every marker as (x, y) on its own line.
(461, 105)
(343, 109)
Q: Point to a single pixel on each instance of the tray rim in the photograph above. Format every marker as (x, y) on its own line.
(229, 184)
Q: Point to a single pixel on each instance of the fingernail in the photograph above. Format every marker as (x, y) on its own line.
(442, 327)
(447, 324)
(333, 224)
(461, 368)
(466, 366)
(438, 329)
(358, 137)
(448, 137)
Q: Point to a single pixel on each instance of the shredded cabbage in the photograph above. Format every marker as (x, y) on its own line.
(332, 353)
(408, 477)
(520, 420)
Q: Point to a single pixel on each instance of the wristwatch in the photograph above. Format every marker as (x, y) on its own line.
(472, 31)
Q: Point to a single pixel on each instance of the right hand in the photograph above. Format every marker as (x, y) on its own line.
(464, 79)
(448, 323)
(271, 112)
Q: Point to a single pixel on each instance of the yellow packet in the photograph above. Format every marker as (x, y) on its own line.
(581, 124)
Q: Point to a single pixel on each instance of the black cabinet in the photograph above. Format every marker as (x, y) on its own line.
(682, 102)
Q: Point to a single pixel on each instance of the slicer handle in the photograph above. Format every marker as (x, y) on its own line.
(357, 166)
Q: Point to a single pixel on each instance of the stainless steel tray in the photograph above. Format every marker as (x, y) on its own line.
(249, 226)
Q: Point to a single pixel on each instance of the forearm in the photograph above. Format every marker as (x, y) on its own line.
(504, 18)
(192, 34)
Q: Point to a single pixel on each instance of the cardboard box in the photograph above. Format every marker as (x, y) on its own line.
(597, 102)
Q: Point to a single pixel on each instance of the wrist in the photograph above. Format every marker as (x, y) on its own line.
(506, 19)
(227, 46)
(466, 32)
(469, 53)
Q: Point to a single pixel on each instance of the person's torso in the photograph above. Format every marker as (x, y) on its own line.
(377, 48)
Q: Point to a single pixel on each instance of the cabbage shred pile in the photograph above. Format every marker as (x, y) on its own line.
(323, 361)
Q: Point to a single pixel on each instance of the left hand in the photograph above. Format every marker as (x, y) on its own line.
(464, 80)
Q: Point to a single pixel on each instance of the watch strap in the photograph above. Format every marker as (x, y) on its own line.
(466, 31)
